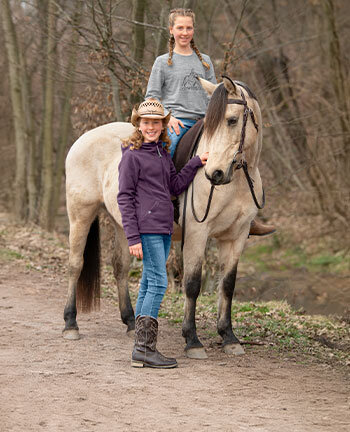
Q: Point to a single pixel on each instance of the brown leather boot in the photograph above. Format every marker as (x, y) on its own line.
(259, 229)
(145, 353)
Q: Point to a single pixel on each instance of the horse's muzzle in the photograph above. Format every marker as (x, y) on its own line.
(217, 178)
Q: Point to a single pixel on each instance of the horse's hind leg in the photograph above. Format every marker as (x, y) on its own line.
(78, 233)
(121, 264)
(229, 253)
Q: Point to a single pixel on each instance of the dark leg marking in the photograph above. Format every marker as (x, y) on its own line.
(224, 318)
(70, 317)
(192, 289)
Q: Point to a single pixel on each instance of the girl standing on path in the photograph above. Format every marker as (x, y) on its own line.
(147, 180)
(173, 81)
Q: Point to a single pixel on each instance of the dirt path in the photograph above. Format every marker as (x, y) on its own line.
(50, 384)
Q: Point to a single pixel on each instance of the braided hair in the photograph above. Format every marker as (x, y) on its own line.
(196, 50)
(174, 13)
(171, 49)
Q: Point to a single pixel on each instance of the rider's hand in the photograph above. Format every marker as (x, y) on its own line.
(136, 250)
(173, 125)
(204, 157)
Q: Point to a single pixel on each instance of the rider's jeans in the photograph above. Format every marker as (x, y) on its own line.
(154, 281)
(188, 123)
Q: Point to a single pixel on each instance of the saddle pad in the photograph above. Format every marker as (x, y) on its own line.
(185, 146)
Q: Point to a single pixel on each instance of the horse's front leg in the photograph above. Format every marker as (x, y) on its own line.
(193, 256)
(229, 253)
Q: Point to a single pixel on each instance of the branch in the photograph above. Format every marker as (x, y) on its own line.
(139, 23)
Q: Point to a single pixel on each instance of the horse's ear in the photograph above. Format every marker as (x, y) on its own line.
(207, 85)
(230, 86)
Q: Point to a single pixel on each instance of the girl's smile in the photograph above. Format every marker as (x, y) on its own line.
(151, 129)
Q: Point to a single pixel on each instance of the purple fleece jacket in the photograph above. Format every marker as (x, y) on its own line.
(147, 179)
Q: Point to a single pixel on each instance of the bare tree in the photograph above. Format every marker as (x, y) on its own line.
(47, 177)
(138, 34)
(65, 121)
(138, 38)
(163, 34)
(13, 54)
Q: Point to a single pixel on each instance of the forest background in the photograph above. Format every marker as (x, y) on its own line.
(69, 66)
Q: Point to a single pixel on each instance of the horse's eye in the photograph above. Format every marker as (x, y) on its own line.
(232, 121)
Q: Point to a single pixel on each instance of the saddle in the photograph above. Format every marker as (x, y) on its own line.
(186, 145)
(183, 153)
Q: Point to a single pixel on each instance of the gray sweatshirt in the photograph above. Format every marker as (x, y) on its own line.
(176, 86)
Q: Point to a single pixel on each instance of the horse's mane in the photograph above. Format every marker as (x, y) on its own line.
(216, 110)
(246, 88)
(217, 107)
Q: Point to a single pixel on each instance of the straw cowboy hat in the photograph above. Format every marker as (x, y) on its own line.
(150, 108)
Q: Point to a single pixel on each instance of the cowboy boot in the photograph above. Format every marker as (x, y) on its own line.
(259, 229)
(145, 353)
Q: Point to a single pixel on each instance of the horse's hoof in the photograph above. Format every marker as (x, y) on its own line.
(196, 353)
(234, 349)
(131, 334)
(71, 334)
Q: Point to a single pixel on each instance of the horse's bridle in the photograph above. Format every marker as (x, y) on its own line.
(247, 111)
(242, 164)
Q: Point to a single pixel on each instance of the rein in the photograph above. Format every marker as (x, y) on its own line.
(193, 152)
(242, 164)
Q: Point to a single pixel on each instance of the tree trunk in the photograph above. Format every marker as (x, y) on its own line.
(138, 45)
(163, 35)
(47, 181)
(30, 136)
(116, 97)
(138, 36)
(12, 48)
(65, 126)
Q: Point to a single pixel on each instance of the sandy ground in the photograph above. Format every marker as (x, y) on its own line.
(49, 384)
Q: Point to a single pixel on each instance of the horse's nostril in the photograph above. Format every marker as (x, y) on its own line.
(217, 176)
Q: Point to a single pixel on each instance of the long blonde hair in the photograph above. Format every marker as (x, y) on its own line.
(135, 140)
(174, 13)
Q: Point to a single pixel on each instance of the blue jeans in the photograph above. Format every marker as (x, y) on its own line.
(188, 123)
(154, 281)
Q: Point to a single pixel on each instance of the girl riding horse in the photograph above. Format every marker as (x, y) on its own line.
(173, 81)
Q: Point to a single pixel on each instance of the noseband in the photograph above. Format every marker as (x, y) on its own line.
(242, 164)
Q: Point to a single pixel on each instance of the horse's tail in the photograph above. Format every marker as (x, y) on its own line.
(88, 288)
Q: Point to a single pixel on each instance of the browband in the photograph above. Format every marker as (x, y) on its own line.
(237, 101)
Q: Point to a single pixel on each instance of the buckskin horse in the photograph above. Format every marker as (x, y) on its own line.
(223, 191)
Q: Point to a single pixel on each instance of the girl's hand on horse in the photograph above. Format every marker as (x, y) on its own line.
(136, 250)
(204, 157)
(173, 125)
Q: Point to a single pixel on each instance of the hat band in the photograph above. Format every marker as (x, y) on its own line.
(150, 113)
